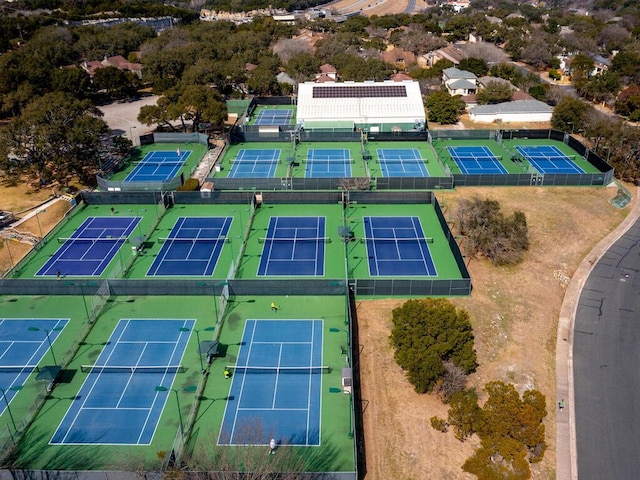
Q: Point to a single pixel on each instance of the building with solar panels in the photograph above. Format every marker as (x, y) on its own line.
(368, 106)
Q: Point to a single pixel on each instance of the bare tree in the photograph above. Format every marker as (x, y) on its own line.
(286, 48)
(486, 51)
(453, 381)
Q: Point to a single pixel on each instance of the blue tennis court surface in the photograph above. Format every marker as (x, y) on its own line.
(396, 246)
(122, 406)
(548, 159)
(274, 117)
(328, 162)
(259, 163)
(271, 401)
(293, 246)
(91, 247)
(476, 160)
(21, 349)
(401, 162)
(193, 247)
(158, 166)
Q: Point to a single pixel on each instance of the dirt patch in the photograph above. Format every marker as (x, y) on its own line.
(17, 198)
(514, 312)
(11, 251)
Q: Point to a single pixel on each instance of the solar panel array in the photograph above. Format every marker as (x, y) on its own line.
(359, 91)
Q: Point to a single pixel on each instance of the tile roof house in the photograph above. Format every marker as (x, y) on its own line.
(459, 82)
(117, 61)
(329, 71)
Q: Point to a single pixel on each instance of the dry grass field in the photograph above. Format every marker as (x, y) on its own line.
(514, 312)
(376, 7)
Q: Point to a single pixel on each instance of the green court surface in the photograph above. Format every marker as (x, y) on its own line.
(148, 214)
(427, 153)
(197, 153)
(510, 145)
(504, 153)
(156, 224)
(202, 410)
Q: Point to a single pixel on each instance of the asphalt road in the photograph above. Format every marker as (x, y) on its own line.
(606, 361)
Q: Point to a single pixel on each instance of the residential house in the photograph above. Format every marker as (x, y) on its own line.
(459, 82)
(328, 73)
(450, 53)
(514, 111)
(399, 57)
(117, 61)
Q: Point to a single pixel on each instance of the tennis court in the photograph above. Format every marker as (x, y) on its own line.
(193, 247)
(548, 159)
(23, 344)
(396, 246)
(118, 402)
(401, 162)
(258, 163)
(158, 166)
(293, 246)
(476, 160)
(276, 384)
(274, 117)
(91, 247)
(325, 162)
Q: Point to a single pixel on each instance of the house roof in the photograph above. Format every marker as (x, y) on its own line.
(325, 79)
(486, 80)
(517, 106)
(400, 77)
(450, 53)
(453, 72)
(461, 84)
(326, 68)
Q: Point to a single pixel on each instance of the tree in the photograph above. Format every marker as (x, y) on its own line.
(426, 333)
(303, 66)
(628, 102)
(494, 92)
(444, 108)
(464, 414)
(56, 136)
(570, 113)
(476, 66)
(72, 80)
(115, 83)
(503, 240)
(197, 103)
(601, 87)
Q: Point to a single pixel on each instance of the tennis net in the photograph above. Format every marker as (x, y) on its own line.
(397, 240)
(132, 369)
(194, 240)
(154, 163)
(551, 158)
(62, 240)
(17, 368)
(249, 369)
(401, 160)
(251, 161)
(294, 240)
(477, 158)
(329, 160)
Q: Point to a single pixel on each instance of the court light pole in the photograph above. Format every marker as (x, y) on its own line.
(84, 300)
(190, 388)
(4, 391)
(38, 220)
(47, 331)
(198, 330)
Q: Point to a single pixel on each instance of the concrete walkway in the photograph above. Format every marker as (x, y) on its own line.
(566, 450)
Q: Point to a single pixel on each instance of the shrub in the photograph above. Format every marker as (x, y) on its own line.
(190, 185)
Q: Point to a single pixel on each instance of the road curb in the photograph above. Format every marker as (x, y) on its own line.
(566, 449)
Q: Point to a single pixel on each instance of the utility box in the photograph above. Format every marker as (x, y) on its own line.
(347, 381)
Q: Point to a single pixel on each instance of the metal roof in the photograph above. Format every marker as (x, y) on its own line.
(339, 102)
(518, 106)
